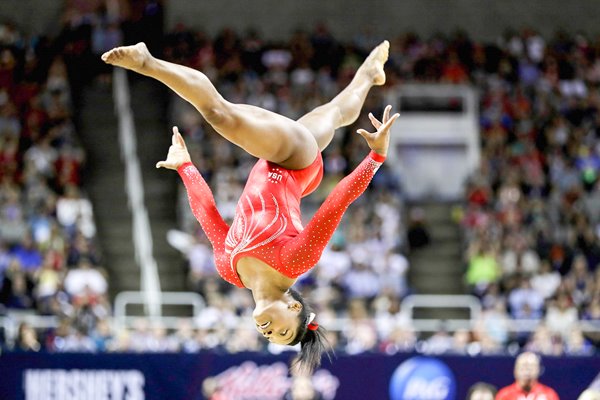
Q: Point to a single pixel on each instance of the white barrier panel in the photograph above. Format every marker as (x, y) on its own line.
(435, 142)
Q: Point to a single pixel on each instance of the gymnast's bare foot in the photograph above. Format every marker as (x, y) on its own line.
(128, 57)
(373, 65)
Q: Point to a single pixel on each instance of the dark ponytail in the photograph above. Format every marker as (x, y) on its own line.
(313, 342)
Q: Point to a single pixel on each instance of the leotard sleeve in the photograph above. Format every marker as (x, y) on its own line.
(204, 208)
(304, 251)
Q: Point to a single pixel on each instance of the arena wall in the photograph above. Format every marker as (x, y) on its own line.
(484, 20)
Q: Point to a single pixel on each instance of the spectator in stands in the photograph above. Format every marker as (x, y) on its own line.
(243, 339)
(81, 248)
(361, 281)
(160, 341)
(577, 345)
(28, 255)
(361, 338)
(417, 231)
(527, 372)
(16, 288)
(4, 259)
(592, 312)
(27, 339)
(201, 263)
(579, 280)
(543, 342)
(401, 339)
(75, 213)
(140, 336)
(218, 311)
(483, 268)
(184, 336)
(518, 257)
(561, 316)
(388, 314)
(102, 335)
(461, 339)
(589, 394)
(546, 281)
(495, 323)
(41, 224)
(88, 308)
(85, 279)
(524, 302)
(42, 156)
(76, 340)
(48, 281)
(69, 165)
(122, 341)
(481, 391)
(361, 335)
(392, 268)
(439, 343)
(334, 263)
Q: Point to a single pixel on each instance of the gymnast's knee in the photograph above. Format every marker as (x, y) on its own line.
(216, 115)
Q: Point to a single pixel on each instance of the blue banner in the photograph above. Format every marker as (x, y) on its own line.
(251, 376)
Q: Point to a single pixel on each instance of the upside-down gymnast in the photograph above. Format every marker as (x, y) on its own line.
(267, 248)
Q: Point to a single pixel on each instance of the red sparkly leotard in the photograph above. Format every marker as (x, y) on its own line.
(267, 223)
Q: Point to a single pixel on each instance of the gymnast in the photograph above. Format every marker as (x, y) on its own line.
(266, 248)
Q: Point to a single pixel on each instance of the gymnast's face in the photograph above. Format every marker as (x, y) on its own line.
(278, 320)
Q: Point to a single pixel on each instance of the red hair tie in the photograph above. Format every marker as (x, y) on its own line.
(313, 326)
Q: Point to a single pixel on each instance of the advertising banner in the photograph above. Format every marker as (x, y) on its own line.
(251, 376)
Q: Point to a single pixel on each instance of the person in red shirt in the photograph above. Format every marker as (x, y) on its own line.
(526, 386)
(266, 248)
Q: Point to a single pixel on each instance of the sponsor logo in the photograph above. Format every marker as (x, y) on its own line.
(422, 378)
(249, 381)
(76, 384)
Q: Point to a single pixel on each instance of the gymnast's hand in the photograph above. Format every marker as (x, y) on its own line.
(178, 153)
(379, 141)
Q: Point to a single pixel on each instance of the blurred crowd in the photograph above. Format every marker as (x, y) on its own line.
(530, 218)
(532, 213)
(49, 262)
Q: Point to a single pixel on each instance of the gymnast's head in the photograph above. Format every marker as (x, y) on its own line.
(289, 321)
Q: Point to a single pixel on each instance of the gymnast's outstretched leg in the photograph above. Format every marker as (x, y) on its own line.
(345, 108)
(260, 132)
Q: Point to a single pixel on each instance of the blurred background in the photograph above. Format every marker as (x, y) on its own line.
(478, 238)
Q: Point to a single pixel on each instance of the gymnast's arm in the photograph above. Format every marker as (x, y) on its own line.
(203, 206)
(200, 196)
(304, 251)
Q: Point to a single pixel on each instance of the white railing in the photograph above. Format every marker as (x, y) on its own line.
(469, 302)
(142, 238)
(9, 324)
(122, 320)
(124, 299)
